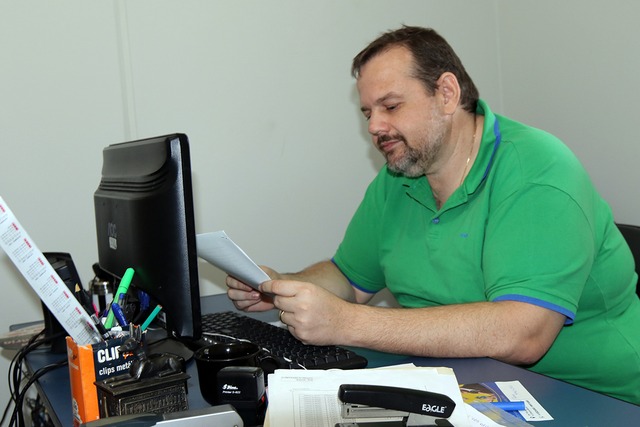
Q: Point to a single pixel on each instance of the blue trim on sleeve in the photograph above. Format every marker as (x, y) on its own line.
(540, 303)
(355, 285)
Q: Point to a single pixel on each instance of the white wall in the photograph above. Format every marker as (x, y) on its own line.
(571, 67)
(280, 155)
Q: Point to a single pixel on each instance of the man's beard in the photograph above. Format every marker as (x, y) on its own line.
(418, 159)
(417, 162)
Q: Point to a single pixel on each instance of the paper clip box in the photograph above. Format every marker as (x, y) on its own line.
(88, 364)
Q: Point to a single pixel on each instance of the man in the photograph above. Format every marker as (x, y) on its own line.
(488, 232)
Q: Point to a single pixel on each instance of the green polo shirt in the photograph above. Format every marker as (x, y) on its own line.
(527, 225)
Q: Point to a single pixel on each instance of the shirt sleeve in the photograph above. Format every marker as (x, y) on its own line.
(357, 256)
(539, 248)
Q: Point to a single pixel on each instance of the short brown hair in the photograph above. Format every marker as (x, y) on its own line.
(432, 56)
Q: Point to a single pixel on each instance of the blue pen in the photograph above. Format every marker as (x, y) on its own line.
(145, 300)
(119, 314)
(516, 405)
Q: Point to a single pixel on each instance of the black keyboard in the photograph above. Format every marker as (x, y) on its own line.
(284, 347)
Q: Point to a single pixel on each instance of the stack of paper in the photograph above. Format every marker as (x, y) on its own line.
(300, 398)
(310, 398)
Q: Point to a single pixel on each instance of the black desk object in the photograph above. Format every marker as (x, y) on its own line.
(288, 352)
(569, 405)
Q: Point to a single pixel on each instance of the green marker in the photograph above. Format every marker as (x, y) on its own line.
(122, 289)
(152, 316)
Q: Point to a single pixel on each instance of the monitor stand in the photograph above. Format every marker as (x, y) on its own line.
(158, 341)
(170, 345)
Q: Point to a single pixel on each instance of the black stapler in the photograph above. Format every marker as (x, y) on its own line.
(416, 408)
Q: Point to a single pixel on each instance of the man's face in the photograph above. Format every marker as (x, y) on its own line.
(405, 122)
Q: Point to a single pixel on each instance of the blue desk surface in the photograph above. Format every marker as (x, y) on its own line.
(569, 405)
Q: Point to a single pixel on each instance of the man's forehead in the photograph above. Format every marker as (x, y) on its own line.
(386, 76)
(393, 60)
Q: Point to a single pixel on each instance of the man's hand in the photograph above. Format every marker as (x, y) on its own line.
(312, 314)
(324, 275)
(245, 298)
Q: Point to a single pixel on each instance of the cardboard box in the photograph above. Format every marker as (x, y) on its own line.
(90, 363)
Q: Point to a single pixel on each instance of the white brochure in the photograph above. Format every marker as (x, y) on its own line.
(218, 249)
(44, 280)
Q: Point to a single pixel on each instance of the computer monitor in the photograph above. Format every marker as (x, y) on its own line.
(145, 220)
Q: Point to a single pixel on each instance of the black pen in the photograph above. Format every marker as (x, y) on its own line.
(84, 300)
(103, 331)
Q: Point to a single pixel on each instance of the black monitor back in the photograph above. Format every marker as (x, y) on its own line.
(145, 220)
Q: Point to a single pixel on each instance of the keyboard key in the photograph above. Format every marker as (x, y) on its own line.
(290, 353)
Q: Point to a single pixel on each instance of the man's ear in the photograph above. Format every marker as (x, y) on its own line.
(449, 91)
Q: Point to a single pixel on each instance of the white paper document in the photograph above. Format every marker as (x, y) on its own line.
(218, 249)
(300, 398)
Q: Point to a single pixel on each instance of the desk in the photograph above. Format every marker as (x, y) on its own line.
(568, 404)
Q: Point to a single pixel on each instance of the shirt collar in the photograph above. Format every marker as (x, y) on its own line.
(491, 138)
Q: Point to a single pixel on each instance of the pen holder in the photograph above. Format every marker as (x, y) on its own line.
(124, 395)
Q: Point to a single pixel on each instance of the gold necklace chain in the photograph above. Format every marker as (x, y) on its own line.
(473, 142)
